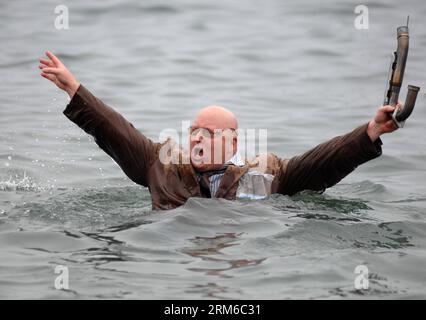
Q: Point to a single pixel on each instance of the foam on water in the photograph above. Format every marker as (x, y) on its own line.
(24, 184)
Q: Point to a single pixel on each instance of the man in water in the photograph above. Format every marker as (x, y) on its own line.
(214, 168)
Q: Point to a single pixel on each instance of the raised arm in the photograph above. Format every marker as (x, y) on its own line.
(132, 151)
(328, 163)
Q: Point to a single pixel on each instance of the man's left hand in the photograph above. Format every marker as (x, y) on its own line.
(382, 122)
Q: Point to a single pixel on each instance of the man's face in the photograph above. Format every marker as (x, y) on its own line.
(213, 141)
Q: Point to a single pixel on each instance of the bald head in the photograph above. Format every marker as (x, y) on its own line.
(210, 151)
(215, 117)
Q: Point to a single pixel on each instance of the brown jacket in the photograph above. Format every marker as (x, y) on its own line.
(171, 185)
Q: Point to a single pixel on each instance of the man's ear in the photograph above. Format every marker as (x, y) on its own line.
(235, 144)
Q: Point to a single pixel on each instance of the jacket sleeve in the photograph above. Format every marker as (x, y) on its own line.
(328, 163)
(130, 149)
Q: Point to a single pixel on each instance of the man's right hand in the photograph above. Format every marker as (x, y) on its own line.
(54, 70)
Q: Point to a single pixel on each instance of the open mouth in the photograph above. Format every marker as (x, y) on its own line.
(198, 153)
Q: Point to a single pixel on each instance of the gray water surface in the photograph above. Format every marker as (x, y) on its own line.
(300, 69)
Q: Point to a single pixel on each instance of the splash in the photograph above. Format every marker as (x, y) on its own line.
(24, 184)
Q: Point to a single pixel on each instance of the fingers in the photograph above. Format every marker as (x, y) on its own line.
(391, 124)
(400, 104)
(47, 63)
(54, 59)
(42, 67)
(50, 77)
(54, 71)
(387, 108)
